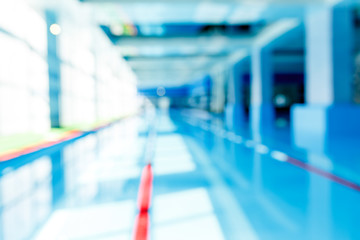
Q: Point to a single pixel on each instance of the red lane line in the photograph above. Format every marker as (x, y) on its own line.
(145, 189)
(142, 227)
(34, 148)
(142, 224)
(323, 173)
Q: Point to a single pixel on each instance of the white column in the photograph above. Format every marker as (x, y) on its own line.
(328, 111)
(262, 114)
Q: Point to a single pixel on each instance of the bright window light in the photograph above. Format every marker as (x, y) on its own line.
(188, 220)
(113, 220)
(193, 202)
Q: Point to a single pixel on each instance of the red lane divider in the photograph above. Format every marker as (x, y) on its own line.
(145, 189)
(141, 230)
(323, 173)
(307, 167)
(142, 227)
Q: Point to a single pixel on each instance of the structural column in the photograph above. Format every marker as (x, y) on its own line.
(218, 91)
(235, 108)
(262, 114)
(54, 72)
(262, 111)
(329, 74)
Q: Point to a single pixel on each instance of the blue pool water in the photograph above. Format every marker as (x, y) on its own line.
(209, 183)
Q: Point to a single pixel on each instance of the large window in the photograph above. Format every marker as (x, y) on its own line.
(23, 71)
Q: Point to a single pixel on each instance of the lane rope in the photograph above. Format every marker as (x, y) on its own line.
(142, 221)
(262, 149)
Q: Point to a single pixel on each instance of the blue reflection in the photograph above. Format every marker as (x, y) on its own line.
(91, 181)
(281, 201)
(26, 198)
(208, 182)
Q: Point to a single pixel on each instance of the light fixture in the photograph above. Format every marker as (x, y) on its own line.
(117, 29)
(281, 100)
(55, 29)
(160, 91)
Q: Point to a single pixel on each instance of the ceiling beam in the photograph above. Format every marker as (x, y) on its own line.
(177, 57)
(177, 62)
(196, 42)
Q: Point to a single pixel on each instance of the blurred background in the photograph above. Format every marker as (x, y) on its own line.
(247, 111)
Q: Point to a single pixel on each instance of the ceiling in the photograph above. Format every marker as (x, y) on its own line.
(173, 42)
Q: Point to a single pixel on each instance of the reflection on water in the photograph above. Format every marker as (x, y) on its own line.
(282, 201)
(57, 195)
(26, 198)
(209, 183)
